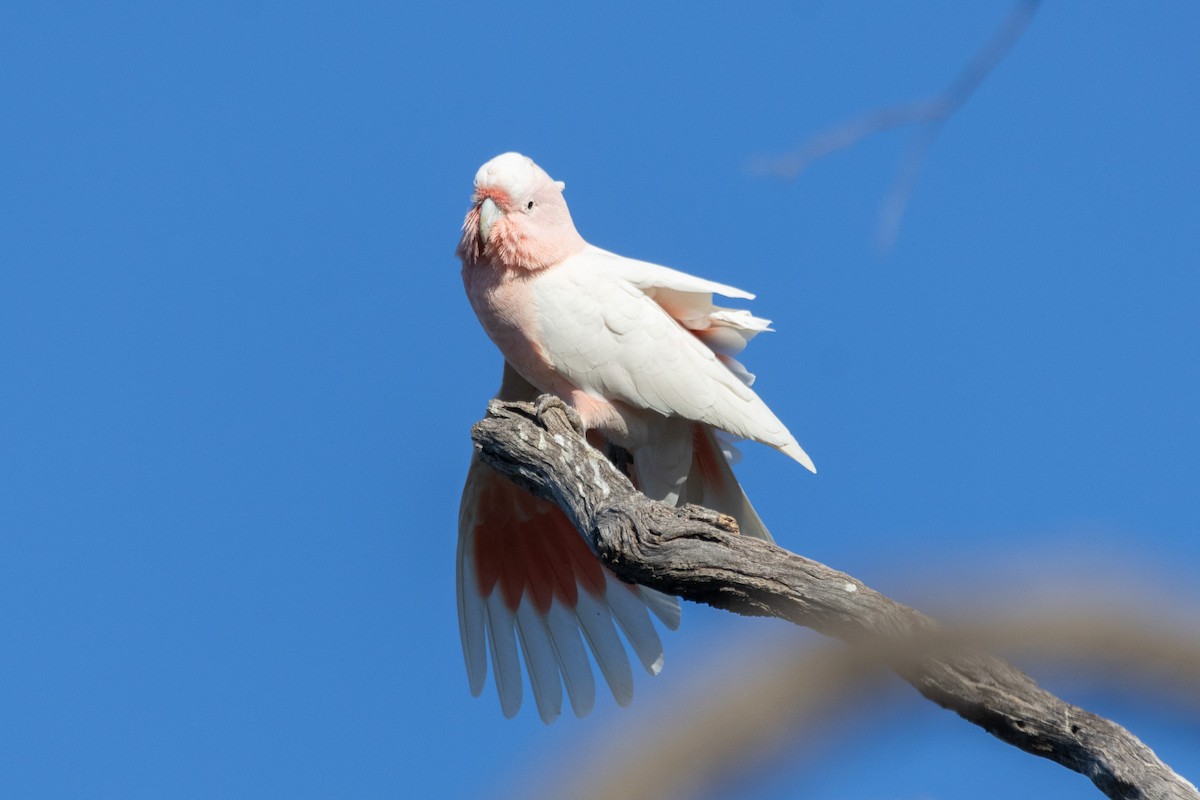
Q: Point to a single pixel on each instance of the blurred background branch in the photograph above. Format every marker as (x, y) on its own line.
(929, 115)
(719, 736)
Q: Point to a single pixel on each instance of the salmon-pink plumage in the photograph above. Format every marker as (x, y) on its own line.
(649, 362)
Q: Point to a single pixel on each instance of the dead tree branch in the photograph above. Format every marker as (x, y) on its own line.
(698, 555)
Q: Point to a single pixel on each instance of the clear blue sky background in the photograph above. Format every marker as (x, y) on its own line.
(237, 369)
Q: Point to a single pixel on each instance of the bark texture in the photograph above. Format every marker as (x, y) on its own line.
(697, 554)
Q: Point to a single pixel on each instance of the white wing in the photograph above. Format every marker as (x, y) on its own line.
(605, 333)
(654, 278)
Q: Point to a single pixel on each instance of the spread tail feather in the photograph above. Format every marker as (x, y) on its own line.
(712, 484)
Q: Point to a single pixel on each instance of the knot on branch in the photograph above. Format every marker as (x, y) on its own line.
(549, 412)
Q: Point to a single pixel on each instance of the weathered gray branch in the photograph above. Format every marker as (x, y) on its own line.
(697, 554)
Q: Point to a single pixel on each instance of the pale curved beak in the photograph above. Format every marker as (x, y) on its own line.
(489, 212)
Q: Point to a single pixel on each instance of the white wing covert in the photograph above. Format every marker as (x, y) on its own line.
(635, 332)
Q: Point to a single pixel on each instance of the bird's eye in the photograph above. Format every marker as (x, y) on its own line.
(529, 206)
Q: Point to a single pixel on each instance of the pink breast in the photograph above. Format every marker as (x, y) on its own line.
(503, 300)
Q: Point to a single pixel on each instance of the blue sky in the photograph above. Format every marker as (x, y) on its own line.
(237, 369)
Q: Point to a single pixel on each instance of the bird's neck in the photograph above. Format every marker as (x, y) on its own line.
(528, 254)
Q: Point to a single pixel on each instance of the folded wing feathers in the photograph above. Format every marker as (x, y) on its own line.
(682, 379)
(655, 279)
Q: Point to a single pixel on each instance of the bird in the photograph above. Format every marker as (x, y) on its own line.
(648, 361)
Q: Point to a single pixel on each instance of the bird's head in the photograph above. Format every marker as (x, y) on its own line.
(518, 217)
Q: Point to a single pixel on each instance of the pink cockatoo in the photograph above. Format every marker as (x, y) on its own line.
(647, 359)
